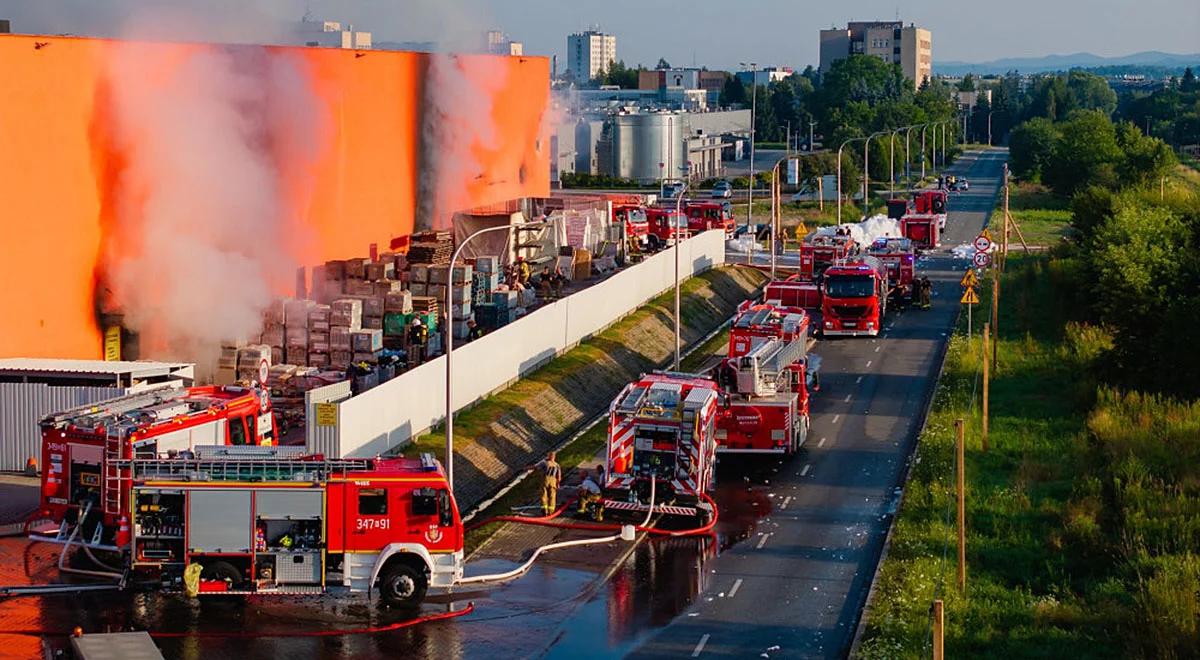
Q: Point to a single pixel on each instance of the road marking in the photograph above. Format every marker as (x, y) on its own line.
(858, 380)
(836, 418)
(807, 467)
(762, 541)
(847, 399)
(821, 443)
(877, 349)
(737, 584)
(868, 364)
(787, 500)
(700, 646)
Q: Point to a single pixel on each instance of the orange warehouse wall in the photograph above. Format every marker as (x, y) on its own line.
(59, 162)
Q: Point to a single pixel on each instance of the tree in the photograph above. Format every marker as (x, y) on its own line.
(620, 75)
(766, 127)
(733, 93)
(1146, 159)
(662, 64)
(1188, 83)
(967, 84)
(1085, 153)
(1089, 91)
(1031, 147)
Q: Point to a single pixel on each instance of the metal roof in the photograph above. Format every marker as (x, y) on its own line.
(137, 369)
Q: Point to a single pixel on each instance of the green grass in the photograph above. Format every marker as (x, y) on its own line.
(1044, 218)
(1083, 516)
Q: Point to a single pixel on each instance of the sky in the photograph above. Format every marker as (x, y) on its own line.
(715, 33)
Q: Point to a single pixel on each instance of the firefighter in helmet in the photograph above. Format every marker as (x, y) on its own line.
(590, 502)
(926, 291)
(551, 475)
(418, 336)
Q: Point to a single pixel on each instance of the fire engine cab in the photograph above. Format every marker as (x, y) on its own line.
(933, 202)
(80, 447)
(795, 291)
(663, 428)
(633, 218)
(899, 255)
(767, 382)
(819, 251)
(665, 224)
(703, 216)
(855, 293)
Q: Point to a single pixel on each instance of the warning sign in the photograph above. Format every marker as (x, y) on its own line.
(983, 242)
(327, 414)
(969, 279)
(112, 344)
(969, 297)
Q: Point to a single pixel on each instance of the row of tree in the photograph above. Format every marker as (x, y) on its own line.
(1171, 113)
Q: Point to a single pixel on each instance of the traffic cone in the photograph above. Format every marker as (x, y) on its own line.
(31, 469)
(123, 533)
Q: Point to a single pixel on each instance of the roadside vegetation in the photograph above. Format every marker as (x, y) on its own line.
(1083, 517)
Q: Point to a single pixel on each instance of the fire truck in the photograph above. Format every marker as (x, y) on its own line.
(819, 251)
(706, 215)
(665, 224)
(81, 446)
(899, 255)
(933, 202)
(662, 427)
(633, 217)
(923, 229)
(795, 291)
(271, 520)
(767, 382)
(855, 293)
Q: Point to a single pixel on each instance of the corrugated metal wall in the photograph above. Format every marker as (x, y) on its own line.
(321, 437)
(23, 405)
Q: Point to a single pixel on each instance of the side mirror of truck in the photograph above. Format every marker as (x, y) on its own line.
(445, 509)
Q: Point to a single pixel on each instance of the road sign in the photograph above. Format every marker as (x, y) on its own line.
(264, 370)
(969, 297)
(793, 171)
(983, 242)
(969, 279)
(982, 259)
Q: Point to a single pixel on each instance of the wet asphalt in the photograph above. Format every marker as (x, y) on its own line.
(785, 573)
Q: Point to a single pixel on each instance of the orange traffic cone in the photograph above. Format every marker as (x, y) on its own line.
(123, 532)
(31, 467)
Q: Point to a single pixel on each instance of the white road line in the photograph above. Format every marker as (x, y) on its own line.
(836, 418)
(868, 364)
(807, 467)
(762, 541)
(737, 584)
(847, 399)
(877, 349)
(786, 501)
(821, 442)
(700, 646)
(858, 380)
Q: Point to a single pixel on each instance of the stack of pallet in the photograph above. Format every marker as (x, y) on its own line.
(345, 318)
(318, 336)
(296, 316)
(431, 247)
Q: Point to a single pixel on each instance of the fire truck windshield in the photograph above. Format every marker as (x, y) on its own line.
(850, 286)
(636, 216)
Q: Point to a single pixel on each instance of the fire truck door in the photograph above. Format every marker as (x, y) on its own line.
(237, 431)
(369, 509)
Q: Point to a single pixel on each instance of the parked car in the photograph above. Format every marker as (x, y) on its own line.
(722, 190)
(672, 190)
(960, 185)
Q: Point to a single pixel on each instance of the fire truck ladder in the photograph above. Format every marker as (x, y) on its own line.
(114, 475)
(240, 469)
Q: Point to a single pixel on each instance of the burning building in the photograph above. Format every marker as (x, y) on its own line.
(181, 183)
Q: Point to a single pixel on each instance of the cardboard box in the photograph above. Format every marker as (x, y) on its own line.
(368, 357)
(356, 268)
(399, 301)
(318, 313)
(381, 289)
(340, 359)
(372, 322)
(372, 306)
(366, 341)
(418, 288)
(460, 294)
(318, 359)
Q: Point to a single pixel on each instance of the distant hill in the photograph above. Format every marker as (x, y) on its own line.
(1150, 58)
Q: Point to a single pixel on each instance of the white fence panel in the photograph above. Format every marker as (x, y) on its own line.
(389, 415)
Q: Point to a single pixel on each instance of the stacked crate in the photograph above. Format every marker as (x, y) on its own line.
(295, 339)
(397, 314)
(250, 358)
(273, 332)
(345, 318)
(367, 345)
(318, 336)
(506, 303)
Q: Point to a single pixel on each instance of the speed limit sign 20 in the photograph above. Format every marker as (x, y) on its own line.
(982, 259)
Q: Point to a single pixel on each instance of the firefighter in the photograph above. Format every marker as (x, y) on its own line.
(926, 289)
(473, 330)
(418, 335)
(551, 475)
(523, 271)
(590, 502)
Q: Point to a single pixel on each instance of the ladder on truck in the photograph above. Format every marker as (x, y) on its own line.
(115, 476)
(246, 469)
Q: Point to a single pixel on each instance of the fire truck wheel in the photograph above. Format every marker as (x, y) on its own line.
(224, 571)
(402, 584)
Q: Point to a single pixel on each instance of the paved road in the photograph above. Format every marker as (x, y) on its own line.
(796, 586)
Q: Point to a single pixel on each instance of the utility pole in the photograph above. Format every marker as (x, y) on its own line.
(923, 151)
(939, 630)
(995, 316)
(986, 331)
(787, 149)
(961, 452)
(810, 136)
(753, 118)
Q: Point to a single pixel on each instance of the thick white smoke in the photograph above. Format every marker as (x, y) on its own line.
(203, 227)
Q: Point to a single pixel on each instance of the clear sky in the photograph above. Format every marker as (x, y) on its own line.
(716, 33)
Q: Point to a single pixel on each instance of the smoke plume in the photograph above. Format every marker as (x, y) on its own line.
(211, 144)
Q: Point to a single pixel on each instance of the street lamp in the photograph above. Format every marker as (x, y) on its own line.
(753, 112)
(810, 135)
(923, 127)
(990, 127)
(908, 156)
(449, 332)
(776, 202)
(839, 171)
(676, 233)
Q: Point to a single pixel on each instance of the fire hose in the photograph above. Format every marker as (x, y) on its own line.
(625, 534)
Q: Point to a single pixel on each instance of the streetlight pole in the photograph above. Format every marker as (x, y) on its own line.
(923, 127)
(675, 232)
(810, 136)
(449, 332)
(990, 127)
(944, 127)
(839, 171)
(908, 157)
(753, 118)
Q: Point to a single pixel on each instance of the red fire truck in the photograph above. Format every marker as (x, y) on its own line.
(706, 215)
(80, 446)
(665, 224)
(795, 291)
(855, 293)
(662, 427)
(767, 382)
(819, 251)
(633, 217)
(270, 520)
(899, 256)
(933, 202)
(923, 229)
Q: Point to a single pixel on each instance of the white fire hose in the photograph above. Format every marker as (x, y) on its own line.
(627, 533)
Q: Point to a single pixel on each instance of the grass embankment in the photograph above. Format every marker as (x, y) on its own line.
(1083, 516)
(1044, 217)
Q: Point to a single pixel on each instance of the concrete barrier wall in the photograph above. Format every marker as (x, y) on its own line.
(389, 415)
